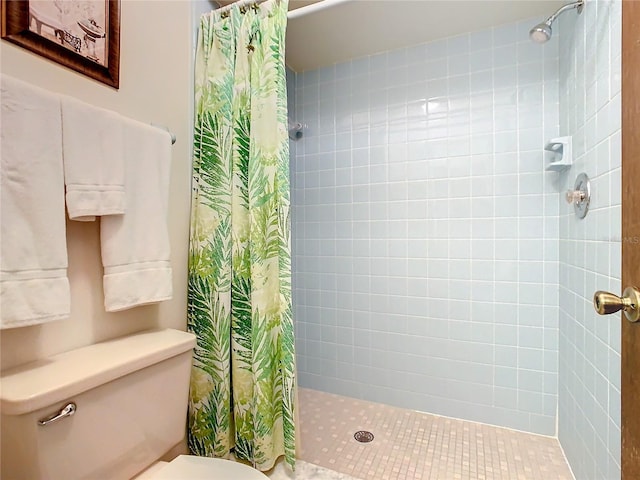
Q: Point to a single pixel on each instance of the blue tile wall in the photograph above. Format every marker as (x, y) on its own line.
(426, 231)
(590, 249)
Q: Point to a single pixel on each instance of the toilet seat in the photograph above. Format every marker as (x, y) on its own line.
(190, 467)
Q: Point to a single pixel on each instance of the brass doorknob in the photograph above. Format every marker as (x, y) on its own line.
(606, 303)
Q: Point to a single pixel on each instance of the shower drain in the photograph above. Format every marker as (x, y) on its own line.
(363, 436)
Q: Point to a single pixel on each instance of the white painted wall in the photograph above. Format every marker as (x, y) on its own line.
(155, 86)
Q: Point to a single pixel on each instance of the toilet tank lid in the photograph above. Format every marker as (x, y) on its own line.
(51, 380)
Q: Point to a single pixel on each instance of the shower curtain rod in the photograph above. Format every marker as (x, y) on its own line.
(314, 7)
(298, 12)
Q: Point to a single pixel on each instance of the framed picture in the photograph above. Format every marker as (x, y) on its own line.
(83, 35)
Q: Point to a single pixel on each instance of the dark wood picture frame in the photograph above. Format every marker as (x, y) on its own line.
(15, 29)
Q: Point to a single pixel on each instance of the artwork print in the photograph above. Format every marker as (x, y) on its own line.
(78, 25)
(83, 35)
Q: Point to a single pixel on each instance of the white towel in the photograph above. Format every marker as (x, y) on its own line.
(33, 254)
(93, 160)
(135, 246)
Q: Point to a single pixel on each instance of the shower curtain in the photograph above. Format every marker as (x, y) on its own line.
(242, 394)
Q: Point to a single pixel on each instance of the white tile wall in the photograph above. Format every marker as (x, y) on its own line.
(425, 229)
(590, 249)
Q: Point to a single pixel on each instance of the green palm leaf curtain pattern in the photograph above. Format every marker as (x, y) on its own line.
(239, 302)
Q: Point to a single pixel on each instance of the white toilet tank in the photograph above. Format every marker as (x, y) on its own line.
(130, 396)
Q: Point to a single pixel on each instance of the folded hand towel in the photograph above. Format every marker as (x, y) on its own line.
(33, 254)
(135, 246)
(93, 160)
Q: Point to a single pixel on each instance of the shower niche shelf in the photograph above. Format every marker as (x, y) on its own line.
(560, 151)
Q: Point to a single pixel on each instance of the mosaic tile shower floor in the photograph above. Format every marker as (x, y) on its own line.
(410, 445)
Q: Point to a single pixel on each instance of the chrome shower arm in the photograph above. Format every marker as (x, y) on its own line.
(542, 32)
(569, 6)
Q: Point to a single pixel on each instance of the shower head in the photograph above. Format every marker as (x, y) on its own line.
(542, 32)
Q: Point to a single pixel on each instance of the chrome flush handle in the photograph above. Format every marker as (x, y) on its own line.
(66, 411)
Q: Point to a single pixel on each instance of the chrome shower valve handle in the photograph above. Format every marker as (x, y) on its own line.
(580, 196)
(574, 196)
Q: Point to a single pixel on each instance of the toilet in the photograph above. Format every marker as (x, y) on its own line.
(110, 410)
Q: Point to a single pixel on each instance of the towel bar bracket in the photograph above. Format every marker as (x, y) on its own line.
(173, 135)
